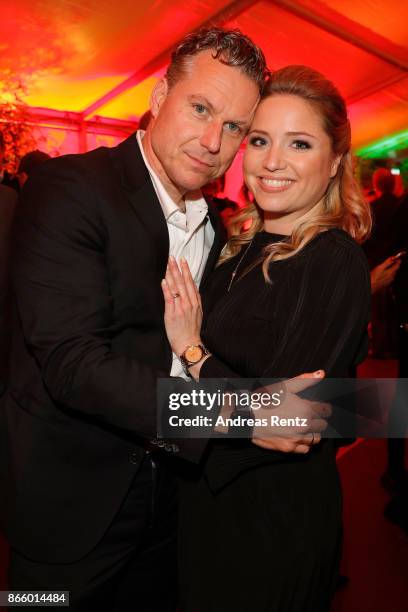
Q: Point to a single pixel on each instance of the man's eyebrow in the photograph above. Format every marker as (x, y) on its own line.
(201, 100)
(242, 123)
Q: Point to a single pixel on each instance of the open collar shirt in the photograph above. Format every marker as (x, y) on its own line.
(190, 232)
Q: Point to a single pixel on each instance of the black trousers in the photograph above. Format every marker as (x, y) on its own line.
(133, 567)
(399, 411)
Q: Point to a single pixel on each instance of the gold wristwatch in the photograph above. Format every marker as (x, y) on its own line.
(192, 355)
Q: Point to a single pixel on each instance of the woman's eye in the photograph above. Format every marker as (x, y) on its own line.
(301, 144)
(257, 141)
(200, 109)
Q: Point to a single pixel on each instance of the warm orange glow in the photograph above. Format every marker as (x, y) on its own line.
(131, 104)
(364, 115)
(64, 93)
(382, 17)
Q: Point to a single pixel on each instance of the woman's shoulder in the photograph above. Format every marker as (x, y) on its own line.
(334, 257)
(338, 246)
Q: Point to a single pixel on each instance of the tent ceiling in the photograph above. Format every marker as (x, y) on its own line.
(102, 58)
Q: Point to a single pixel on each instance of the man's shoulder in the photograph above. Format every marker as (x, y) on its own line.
(97, 168)
(79, 163)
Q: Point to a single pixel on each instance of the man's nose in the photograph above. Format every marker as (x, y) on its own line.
(211, 137)
(274, 158)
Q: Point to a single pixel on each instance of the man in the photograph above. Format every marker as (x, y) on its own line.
(226, 207)
(395, 477)
(6, 179)
(379, 247)
(8, 199)
(90, 508)
(384, 208)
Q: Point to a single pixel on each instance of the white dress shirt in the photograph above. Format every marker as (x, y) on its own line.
(190, 233)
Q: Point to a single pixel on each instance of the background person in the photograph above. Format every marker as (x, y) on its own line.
(8, 200)
(29, 162)
(6, 179)
(380, 246)
(226, 207)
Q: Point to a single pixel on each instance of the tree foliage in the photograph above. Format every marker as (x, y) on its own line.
(14, 119)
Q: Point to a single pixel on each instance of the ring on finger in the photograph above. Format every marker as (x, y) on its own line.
(175, 295)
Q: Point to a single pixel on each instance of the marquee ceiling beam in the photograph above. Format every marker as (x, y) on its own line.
(227, 13)
(375, 88)
(72, 119)
(348, 30)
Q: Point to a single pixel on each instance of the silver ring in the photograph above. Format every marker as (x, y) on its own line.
(175, 295)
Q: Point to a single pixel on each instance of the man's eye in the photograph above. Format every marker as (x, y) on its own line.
(233, 127)
(200, 109)
(257, 141)
(301, 144)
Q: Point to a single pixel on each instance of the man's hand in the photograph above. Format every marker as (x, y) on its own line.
(298, 438)
(383, 275)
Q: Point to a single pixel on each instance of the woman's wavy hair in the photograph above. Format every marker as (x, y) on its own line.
(343, 205)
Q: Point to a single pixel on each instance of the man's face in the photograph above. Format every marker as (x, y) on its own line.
(200, 122)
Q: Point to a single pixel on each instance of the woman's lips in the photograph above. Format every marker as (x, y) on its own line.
(274, 185)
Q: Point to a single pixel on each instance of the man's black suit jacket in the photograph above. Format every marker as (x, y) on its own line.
(89, 344)
(8, 200)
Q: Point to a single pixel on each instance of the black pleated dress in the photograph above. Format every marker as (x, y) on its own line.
(260, 531)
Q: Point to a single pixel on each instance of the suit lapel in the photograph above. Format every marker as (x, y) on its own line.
(135, 180)
(220, 238)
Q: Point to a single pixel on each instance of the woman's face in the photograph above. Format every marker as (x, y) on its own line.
(288, 161)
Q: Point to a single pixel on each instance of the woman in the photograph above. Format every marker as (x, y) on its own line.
(291, 295)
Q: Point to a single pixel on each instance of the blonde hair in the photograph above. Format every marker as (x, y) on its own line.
(343, 205)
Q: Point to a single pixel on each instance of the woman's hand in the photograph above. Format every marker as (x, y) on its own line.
(183, 313)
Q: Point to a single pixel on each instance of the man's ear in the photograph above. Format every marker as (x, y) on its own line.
(159, 94)
(335, 165)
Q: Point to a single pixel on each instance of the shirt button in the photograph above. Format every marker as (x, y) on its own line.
(134, 457)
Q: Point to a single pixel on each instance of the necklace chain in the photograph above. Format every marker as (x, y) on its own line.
(234, 273)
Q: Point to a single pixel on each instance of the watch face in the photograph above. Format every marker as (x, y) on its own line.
(193, 354)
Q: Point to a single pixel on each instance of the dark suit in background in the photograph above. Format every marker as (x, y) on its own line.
(10, 181)
(378, 247)
(8, 199)
(399, 411)
(92, 247)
